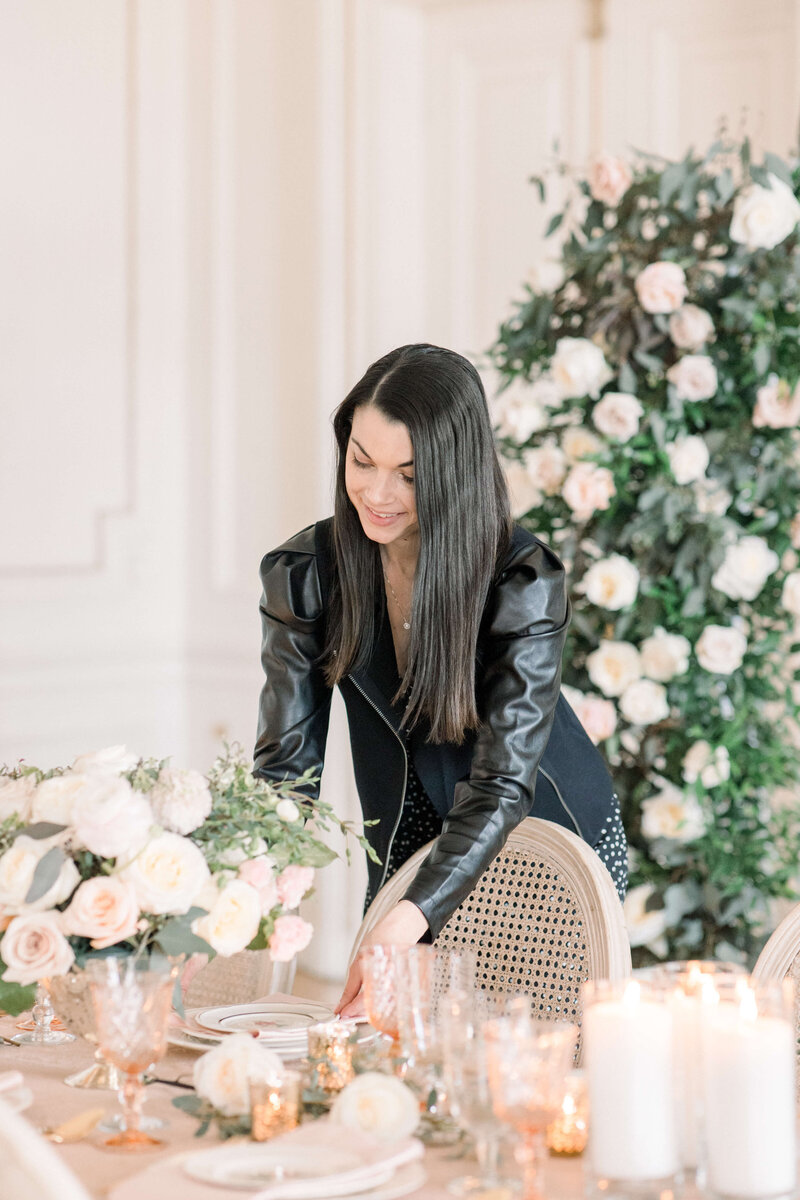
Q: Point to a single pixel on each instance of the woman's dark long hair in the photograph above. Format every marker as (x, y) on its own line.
(464, 523)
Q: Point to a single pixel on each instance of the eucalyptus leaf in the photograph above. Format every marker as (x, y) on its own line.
(41, 830)
(14, 998)
(46, 873)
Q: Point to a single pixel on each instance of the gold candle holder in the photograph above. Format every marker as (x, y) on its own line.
(567, 1134)
(330, 1055)
(274, 1106)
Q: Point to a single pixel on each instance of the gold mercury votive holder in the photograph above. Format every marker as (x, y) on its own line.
(330, 1055)
(274, 1105)
(568, 1132)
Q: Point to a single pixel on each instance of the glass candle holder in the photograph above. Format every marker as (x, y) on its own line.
(274, 1105)
(568, 1132)
(330, 1055)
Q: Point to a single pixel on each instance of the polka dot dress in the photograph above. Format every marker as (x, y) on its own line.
(419, 823)
(612, 850)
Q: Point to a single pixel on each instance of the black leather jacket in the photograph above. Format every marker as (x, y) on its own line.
(483, 788)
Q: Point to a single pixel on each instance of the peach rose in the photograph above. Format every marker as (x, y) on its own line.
(293, 883)
(597, 716)
(104, 909)
(720, 649)
(290, 936)
(34, 948)
(259, 872)
(764, 216)
(546, 465)
(694, 377)
(578, 443)
(588, 489)
(776, 406)
(609, 179)
(691, 327)
(661, 287)
(617, 415)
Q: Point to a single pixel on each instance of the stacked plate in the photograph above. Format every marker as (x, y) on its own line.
(281, 1025)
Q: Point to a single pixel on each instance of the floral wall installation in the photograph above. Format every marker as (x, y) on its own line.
(649, 412)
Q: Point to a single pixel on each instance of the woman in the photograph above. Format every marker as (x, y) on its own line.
(443, 626)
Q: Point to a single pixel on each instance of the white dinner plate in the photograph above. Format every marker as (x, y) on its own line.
(18, 1099)
(274, 1020)
(261, 1165)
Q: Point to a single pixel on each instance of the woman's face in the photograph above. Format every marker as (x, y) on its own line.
(379, 476)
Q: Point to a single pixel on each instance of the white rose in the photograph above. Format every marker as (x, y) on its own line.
(688, 458)
(661, 287)
(613, 666)
(233, 921)
(104, 909)
(55, 798)
(16, 796)
(644, 702)
(522, 491)
(588, 489)
(546, 393)
(222, 1075)
(579, 368)
(794, 531)
(17, 867)
(609, 179)
(672, 814)
(617, 415)
(34, 948)
(745, 569)
(777, 407)
(517, 413)
(114, 760)
(790, 597)
(645, 926)
(113, 820)
(612, 583)
(694, 377)
(691, 327)
(578, 442)
(169, 873)
(379, 1105)
(597, 716)
(711, 766)
(288, 811)
(720, 649)
(546, 277)
(664, 655)
(764, 216)
(546, 465)
(712, 498)
(180, 800)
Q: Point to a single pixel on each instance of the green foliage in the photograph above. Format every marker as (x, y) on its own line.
(708, 872)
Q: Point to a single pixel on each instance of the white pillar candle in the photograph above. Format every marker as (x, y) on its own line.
(629, 1047)
(748, 1085)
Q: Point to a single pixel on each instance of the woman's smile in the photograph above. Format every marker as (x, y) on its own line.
(379, 476)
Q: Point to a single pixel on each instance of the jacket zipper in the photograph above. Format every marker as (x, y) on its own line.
(389, 725)
(564, 804)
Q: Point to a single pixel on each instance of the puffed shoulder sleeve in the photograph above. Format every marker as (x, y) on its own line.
(295, 700)
(518, 676)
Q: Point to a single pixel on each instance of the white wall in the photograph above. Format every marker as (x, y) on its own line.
(214, 214)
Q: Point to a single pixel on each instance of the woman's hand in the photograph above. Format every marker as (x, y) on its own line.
(404, 925)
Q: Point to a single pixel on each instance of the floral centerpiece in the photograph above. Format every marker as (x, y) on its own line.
(649, 411)
(117, 854)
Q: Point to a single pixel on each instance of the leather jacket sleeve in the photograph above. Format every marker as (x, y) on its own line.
(517, 681)
(295, 700)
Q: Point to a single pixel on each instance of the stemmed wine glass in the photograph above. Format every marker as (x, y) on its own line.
(528, 1061)
(132, 1000)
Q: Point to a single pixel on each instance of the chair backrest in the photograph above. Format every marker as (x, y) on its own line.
(543, 917)
(242, 977)
(780, 959)
(29, 1166)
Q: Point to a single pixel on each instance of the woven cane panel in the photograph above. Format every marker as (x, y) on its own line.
(794, 974)
(525, 925)
(239, 979)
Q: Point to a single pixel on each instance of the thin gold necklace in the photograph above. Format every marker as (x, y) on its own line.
(406, 620)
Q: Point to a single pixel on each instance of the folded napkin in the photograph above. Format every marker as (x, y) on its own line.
(379, 1163)
(10, 1080)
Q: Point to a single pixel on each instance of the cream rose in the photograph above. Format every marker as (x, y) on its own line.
(233, 922)
(34, 948)
(790, 596)
(180, 800)
(711, 766)
(17, 868)
(646, 926)
(578, 442)
(517, 414)
(112, 821)
(55, 799)
(764, 216)
(597, 716)
(547, 466)
(776, 406)
(613, 666)
(609, 179)
(522, 491)
(691, 327)
(745, 569)
(113, 760)
(694, 377)
(16, 796)
(617, 415)
(612, 583)
(664, 655)
(579, 368)
(688, 458)
(168, 874)
(379, 1105)
(222, 1075)
(720, 649)
(588, 489)
(290, 936)
(259, 872)
(104, 909)
(661, 287)
(673, 814)
(644, 702)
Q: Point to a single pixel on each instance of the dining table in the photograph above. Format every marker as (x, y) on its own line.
(157, 1173)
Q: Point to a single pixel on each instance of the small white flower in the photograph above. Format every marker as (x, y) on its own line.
(579, 368)
(644, 702)
(664, 655)
(612, 583)
(180, 800)
(674, 814)
(517, 413)
(764, 216)
(613, 666)
(688, 458)
(379, 1105)
(745, 569)
(546, 276)
(720, 649)
(222, 1075)
(288, 811)
(711, 766)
